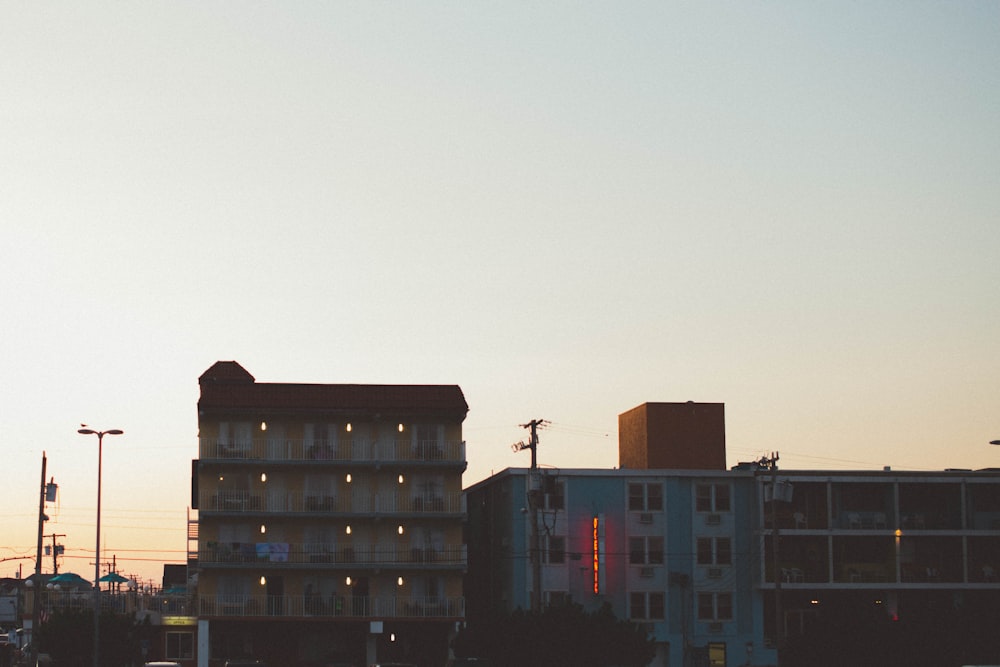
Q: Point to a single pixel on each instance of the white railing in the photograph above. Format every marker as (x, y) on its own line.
(227, 500)
(331, 606)
(347, 449)
(281, 553)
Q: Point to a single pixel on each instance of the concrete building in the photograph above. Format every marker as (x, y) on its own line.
(329, 524)
(719, 572)
(903, 543)
(669, 539)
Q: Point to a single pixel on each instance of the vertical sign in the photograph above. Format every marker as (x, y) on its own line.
(597, 566)
(597, 555)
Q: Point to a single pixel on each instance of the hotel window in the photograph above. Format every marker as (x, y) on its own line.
(555, 549)
(712, 497)
(715, 606)
(647, 606)
(645, 497)
(555, 494)
(715, 551)
(180, 646)
(556, 598)
(645, 550)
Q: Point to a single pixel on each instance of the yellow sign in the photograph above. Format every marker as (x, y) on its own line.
(180, 620)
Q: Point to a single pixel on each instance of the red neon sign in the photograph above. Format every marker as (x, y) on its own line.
(597, 558)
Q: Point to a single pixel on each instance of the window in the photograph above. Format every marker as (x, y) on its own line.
(645, 497)
(180, 646)
(554, 549)
(715, 606)
(647, 606)
(714, 551)
(555, 494)
(556, 598)
(645, 550)
(712, 498)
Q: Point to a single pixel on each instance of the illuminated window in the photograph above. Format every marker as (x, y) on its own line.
(712, 498)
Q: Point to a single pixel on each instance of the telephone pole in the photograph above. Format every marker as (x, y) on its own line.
(779, 612)
(534, 502)
(57, 550)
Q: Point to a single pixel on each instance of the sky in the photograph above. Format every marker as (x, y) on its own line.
(566, 208)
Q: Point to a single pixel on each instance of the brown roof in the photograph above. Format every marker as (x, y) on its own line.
(227, 386)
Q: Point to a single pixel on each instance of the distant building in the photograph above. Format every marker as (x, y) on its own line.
(329, 520)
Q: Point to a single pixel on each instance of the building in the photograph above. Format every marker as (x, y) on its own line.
(329, 520)
(673, 550)
(722, 566)
(674, 547)
(918, 549)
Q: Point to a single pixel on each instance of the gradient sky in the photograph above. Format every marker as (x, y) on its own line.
(567, 208)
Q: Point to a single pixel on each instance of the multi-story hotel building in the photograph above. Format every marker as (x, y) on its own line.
(329, 520)
(722, 570)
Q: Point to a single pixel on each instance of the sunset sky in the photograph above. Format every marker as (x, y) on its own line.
(566, 208)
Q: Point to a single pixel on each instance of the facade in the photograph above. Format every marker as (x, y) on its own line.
(907, 544)
(329, 524)
(673, 550)
(723, 567)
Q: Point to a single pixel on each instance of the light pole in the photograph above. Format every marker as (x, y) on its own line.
(97, 552)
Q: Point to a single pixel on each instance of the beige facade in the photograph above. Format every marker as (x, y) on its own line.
(329, 520)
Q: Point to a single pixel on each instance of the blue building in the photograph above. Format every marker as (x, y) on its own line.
(670, 539)
(674, 550)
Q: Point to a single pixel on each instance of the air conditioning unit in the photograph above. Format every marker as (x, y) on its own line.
(646, 572)
(713, 519)
(715, 627)
(645, 517)
(715, 573)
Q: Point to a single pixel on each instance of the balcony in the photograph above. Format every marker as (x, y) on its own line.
(334, 606)
(283, 554)
(323, 451)
(231, 501)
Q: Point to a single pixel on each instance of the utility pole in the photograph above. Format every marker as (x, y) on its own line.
(36, 599)
(779, 612)
(56, 552)
(534, 502)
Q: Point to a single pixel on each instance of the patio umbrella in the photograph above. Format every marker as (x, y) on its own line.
(114, 578)
(69, 578)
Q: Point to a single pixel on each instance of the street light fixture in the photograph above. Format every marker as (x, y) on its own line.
(995, 442)
(97, 552)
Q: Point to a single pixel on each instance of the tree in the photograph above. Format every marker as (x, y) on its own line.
(562, 634)
(68, 637)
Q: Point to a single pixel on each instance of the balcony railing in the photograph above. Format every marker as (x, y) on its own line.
(223, 500)
(355, 450)
(332, 606)
(283, 553)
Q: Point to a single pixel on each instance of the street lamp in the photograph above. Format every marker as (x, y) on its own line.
(995, 442)
(97, 552)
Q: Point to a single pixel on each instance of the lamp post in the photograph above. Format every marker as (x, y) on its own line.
(97, 552)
